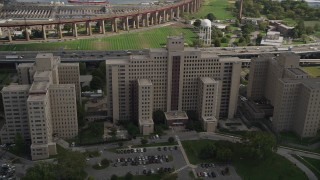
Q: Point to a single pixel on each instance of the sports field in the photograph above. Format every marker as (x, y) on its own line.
(152, 38)
(217, 7)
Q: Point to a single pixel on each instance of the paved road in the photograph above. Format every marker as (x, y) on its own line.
(306, 170)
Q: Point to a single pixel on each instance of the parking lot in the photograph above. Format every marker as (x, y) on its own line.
(216, 171)
(138, 161)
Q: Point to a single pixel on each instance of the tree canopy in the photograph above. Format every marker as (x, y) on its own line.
(278, 10)
(259, 144)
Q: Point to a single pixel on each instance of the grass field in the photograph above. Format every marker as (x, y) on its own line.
(312, 164)
(313, 70)
(275, 167)
(217, 7)
(153, 38)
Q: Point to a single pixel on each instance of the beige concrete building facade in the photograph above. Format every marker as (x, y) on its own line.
(174, 73)
(294, 95)
(46, 108)
(14, 99)
(208, 103)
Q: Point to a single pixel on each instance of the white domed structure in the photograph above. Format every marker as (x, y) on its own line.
(205, 23)
(205, 31)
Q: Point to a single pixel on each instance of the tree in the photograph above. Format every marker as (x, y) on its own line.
(120, 144)
(171, 140)
(83, 69)
(309, 30)
(217, 42)
(105, 162)
(158, 117)
(258, 40)
(197, 23)
(197, 43)
(211, 17)
(224, 40)
(300, 28)
(114, 177)
(36, 33)
(128, 176)
(96, 83)
(144, 141)
(42, 170)
(81, 114)
(259, 144)
(67, 27)
(90, 178)
(71, 165)
(228, 29)
(113, 131)
(20, 147)
(317, 27)
(132, 129)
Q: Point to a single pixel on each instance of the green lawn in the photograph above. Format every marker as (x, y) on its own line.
(192, 149)
(312, 164)
(313, 70)
(153, 38)
(217, 7)
(275, 167)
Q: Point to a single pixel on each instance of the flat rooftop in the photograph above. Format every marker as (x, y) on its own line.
(312, 83)
(144, 82)
(42, 74)
(208, 119)
(25, 65)
(145, 121)
(62, 86)
(207, 80)
(39, 87)
(297, 71)
(117, 61)
(36, 97)
(16, 87)
(172, 115)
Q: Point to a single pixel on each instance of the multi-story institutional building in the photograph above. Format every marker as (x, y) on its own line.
(46, 108)
(173, 73)
(294, 95)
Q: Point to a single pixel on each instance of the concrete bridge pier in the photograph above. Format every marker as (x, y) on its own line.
(137, 21)
(183, 9)
(171, 14)
(75, 30)
(147, 20)
(88, 27)
(177, 12)
(155, 18)
(27, 33)
(102, 27)
(127, 23)
(59, 31)
(188, 8)
(164, 19)
(114, 25)
(9, 35)
(44, 34)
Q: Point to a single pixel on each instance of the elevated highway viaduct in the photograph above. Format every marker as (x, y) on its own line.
(118, 17)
